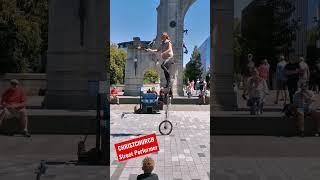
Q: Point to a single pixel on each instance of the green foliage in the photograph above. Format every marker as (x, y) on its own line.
(117, 64)
(21, 39)
(151, 76)
(270, 30)
(193, 70)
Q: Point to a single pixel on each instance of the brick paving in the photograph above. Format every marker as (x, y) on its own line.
(265, 158)
(19, 157)
(185, 154)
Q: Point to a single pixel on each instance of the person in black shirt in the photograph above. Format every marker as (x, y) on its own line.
(292, 70)
(148, 166)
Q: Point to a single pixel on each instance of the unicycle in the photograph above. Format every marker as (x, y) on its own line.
(165, 127)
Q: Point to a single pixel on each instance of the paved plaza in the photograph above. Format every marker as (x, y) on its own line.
(19, 158)
(266, 158)
(183, 155)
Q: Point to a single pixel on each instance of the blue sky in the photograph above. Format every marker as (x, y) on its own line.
(130, 18)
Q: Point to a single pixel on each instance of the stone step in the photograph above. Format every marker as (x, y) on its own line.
(241, 123)
(43, 121)
(176, 100)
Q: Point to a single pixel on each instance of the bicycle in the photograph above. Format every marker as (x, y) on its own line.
(166, 127)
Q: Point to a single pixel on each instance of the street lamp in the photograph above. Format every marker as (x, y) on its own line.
(135, 60)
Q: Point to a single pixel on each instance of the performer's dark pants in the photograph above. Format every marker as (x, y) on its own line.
(166, 69)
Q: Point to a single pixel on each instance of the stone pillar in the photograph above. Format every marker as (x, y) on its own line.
(171, 15)
(134, 71)
(224, 97)
(72, 63)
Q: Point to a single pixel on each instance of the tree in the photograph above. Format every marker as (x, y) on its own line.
(193, 70)
(240, 46)
(117, 64)
(270, 29)
(151, 76)
(21, 39)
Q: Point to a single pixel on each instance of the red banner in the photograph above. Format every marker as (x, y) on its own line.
(137, 147)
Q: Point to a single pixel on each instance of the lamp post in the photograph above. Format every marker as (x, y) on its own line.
(135, 60)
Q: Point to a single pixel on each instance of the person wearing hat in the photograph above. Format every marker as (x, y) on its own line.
(13, 105)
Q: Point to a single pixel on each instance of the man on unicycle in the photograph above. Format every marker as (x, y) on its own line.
(166, 54)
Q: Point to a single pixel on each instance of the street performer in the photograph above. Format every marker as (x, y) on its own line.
(166, 54)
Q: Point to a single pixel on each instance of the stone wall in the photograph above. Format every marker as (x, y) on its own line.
(31, 82)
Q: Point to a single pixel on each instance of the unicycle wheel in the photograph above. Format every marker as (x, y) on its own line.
(165, 127)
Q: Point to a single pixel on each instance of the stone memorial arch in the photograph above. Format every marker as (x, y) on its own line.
(170, 19)
(76, 50)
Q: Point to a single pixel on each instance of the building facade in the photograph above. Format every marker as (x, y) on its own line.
(204, 51)
(257, 17)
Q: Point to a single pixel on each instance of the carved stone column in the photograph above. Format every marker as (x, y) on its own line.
(76, 52)
(223, 95)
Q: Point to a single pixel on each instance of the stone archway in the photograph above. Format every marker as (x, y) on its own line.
(171, 15)
(170, 19)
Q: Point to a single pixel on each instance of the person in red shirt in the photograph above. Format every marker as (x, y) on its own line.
(264, 70)
(13, 105)
(114, 95)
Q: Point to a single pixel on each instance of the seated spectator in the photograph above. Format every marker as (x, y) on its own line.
(303, 102)
(161, 99)
(147, 167)
(161, 95)
(13, 105)
(114, 96)
(154, 90)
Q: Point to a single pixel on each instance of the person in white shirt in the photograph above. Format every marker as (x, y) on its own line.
(257, 90)
(304, 72)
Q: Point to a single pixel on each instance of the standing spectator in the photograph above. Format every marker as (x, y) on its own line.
(281, 79)
(147, 167)
(192, 86)
(114, 96)
(257, 90)
(201, 85)
(247, 73)
(13, 105)
(263, 69)
(304, 72)
(189, 89)
(205, 85)
(197, 86)
(292, 70)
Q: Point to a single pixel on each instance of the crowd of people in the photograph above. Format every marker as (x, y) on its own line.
(293, 79)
